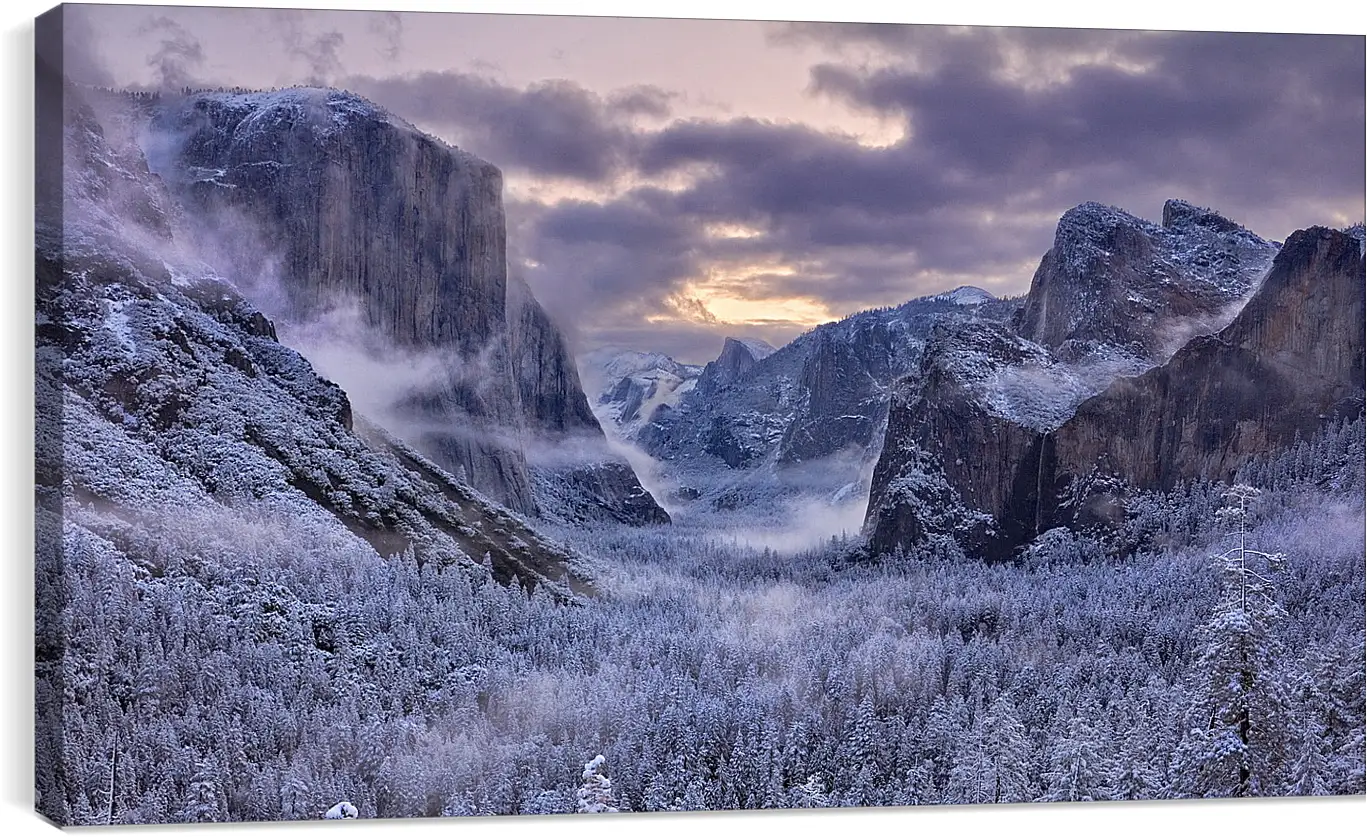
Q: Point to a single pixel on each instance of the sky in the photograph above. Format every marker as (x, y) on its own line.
(672, 182)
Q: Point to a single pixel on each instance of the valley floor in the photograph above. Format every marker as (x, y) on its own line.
(267, 681)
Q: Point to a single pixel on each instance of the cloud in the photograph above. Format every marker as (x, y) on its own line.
(388, 27)
(177, 57)
(553, 128)
(81, 58)
(636, 224)
(320, 52)
(642, 100)
(1250, 116)
(1005, 129)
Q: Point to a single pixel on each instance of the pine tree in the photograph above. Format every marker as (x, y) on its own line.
(1076, 769)
(810, 794)
(595, 795)
(992, 764)
(1237, 744)
(205, 803)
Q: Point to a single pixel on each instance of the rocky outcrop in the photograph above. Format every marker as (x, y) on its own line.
(577, 477)
(182, 413)
(842, 392)
(1117, 282)
(549, 391)
(824, 394)
(341, 204)
(736, 359)
(633, 386)
(1291, 359)
(946, 431)
(346, 205)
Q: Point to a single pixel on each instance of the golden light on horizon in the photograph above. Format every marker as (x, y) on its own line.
(733, 295)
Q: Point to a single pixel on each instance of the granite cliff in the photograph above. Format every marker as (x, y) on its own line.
(347, 205)
(1050, 422)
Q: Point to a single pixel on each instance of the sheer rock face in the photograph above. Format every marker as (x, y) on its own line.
(357, 205)
(577, 477)
(347, 205)
(736, 359)
(941, 431)
(1290, 359)
(174, 418)
(1117, 281)
(547, 378)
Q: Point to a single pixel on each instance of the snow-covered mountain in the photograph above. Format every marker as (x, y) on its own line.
(341, 210)
(1115, 283)
(760, 426)
(173, 423)
(1138, 358)
(631, 386)
(819, 395)
(965, 295)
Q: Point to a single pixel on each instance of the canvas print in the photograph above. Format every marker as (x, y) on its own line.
(448, 414)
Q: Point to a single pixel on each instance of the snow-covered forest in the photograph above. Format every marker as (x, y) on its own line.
(267, 678)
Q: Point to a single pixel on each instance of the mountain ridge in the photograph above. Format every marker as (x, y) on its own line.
(357, 205)
(1015, 478)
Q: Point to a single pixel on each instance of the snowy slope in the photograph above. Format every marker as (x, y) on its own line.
(179, 405)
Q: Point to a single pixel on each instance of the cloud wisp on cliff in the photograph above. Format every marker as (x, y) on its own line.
(657, 207)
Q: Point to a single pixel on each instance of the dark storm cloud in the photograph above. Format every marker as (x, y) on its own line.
(860, 221)
(1209, 111)
(1266, 127)
(642, 100)
(597, 260)
(553, 128)
(623, 222)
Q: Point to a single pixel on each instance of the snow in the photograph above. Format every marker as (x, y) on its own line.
(965, 295)
(758, 349)
(192, 556)
(611, 363)
(1359, 232)
(116, 321)
(341, 811)
(1226, 262)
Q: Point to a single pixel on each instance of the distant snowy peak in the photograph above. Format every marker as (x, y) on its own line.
(607, 365)
(965, 295)
(738, 356)
(757, 349)
(630, 387)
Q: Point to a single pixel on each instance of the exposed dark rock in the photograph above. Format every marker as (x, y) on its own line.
(737, 358)
(347, 204)
(1291, 359)
(551, 396)
(822, 395)
(1116, 281)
